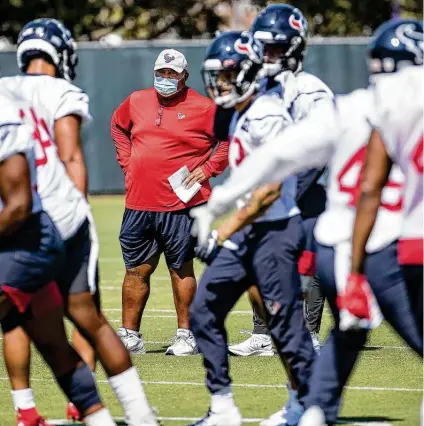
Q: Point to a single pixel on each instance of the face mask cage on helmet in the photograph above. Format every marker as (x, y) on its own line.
(243, 83)
(290, 58)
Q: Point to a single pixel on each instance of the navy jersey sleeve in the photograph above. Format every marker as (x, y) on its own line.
(221, 125)
(310, 195)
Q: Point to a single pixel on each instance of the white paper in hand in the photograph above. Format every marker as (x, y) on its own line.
(176, 180)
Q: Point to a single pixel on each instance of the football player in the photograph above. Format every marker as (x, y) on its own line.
(31, 252)
(397, 141)
(47, 57)
(283, 31)
(264, 253)
(337, 134)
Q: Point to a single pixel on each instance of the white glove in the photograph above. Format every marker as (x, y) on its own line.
(203, 220)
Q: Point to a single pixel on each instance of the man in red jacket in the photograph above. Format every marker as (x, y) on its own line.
(157, 132)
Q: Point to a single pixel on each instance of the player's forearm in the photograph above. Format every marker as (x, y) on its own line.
(366, 215)
(77, 171)
(13, 216)
(261, 200)
(263, 166)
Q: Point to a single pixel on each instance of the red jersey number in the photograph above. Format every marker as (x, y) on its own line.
(417, 156)
(42, 135)
(349, 180)
(237, 152)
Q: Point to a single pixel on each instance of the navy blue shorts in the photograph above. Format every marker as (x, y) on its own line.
(144, 234)
(80, 271)
(32, 256)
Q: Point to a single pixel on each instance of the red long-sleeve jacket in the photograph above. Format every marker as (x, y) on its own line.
(153, 141)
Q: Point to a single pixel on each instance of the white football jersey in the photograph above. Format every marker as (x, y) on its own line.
(335, 225)
(335, 134)
(16, 136)
(53, 98)
(302, 92)
(398, 116)
(265, 118)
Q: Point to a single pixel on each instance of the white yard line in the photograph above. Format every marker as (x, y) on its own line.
(247, 385)
(194, 419)
(169, 419)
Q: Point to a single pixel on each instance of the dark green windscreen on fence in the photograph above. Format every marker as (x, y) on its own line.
(109, 75)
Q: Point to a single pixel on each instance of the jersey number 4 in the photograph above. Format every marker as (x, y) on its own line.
(349, 180)
(42, 135)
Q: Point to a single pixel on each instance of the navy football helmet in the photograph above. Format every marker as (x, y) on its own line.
(51, 39)
(396, 43)
(283, 30)
(239, 54)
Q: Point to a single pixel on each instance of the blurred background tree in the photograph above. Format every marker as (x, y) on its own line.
(151, 19)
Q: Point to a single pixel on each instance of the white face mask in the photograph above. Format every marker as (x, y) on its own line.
(166, 86)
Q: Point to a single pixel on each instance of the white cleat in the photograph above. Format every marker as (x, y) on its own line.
(227, 418)
(132, 340)
(315, 342)
(275, 419)
(255, 345)
(313, 416)
(184, 344)
(145, 421)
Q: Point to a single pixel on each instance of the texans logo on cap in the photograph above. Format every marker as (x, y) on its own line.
(168, 58)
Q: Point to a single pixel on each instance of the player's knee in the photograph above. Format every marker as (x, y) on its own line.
(80, 388)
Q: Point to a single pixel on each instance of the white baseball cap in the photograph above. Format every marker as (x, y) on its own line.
(171, 58)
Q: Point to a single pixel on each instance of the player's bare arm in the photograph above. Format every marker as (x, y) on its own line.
(67, 137)
(15, 193)
(262, 198)
(375, 175)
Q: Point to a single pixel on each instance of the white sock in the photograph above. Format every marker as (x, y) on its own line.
(130, 393)
(100, 418)
(23, 399)
(222, 401)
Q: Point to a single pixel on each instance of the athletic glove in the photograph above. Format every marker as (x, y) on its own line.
(203, 220)
(358, 307)
(208, 251)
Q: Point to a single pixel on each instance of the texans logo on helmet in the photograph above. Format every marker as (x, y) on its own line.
(296, 23)
(412, 39)
(247, 47)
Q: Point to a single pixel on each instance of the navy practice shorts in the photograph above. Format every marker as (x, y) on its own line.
(144, 234)
(32, 256)
(80, 272)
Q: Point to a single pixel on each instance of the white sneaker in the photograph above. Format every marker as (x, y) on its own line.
(315, 342)
(280, 417)
(184, 344)
(228, 418)
(275, 419)
(132, 340)
(256, 344)
(149, 420)
(313, 416)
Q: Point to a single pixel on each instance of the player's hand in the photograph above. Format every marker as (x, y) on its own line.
(357, 304)
(197, 175)
(208, 251)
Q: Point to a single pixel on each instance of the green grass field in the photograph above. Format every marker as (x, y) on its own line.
(385, 388)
